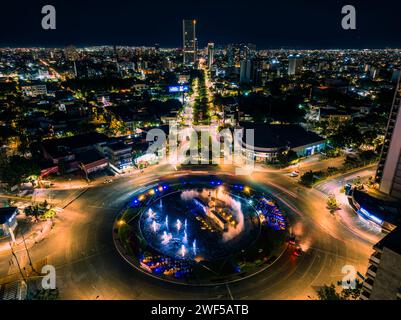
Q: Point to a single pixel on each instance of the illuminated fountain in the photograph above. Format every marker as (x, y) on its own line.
(214, 218)
(166, 223)
(166, 237)
(185, 238)
(151, 214)
(154, 226)
(199, 221)
(178, 225)
(183, 251)
(194, 249)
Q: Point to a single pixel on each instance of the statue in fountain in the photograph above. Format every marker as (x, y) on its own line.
(166, 237)
(183, 251)
(151, 214)
(178, 225)
(154, 226)
(166, 223)
(194, 249)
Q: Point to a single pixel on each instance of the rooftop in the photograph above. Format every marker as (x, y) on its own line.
(118, 146)
(391, 241)
(281, 135)
(382, 209)
(61, 147)
(90, 156)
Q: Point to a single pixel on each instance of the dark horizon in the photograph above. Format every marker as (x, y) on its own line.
(289, 24)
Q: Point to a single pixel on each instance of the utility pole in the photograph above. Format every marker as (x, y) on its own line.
(27, 252)
(16, 259)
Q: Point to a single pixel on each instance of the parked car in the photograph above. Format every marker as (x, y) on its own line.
(291, 240)
(298, 252)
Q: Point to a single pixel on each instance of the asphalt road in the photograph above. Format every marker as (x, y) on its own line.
(88, 266)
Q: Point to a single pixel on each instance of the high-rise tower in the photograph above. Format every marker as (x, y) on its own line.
(210, 54)
(294, 64)
(388, 173)
(189, 41)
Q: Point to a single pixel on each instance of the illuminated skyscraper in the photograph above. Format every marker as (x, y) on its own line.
(245, 71)
(294, 64)
(250, 71)
(383, 276)
(238, 52)
(189, 41)
(389, 170)
(210, 54)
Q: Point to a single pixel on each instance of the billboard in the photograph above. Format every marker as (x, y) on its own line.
(177, 89)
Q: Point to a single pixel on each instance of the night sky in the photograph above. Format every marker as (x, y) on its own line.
(268, 24)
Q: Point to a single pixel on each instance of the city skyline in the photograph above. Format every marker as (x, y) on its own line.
(236, 164)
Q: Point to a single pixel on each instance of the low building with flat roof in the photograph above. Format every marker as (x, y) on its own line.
(91, 161)
(272, 139)
(64, 149)
(119, 155)
(384, 213)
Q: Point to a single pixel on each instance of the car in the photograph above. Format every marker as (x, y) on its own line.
(291, 240)
(294, 174)
(107, 181)
(298, 252)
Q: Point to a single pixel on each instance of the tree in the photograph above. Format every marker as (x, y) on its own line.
(116, 126)
(332, 170)
(352, 293)
(328, 293)
(17, 169)
(332, 203)
(32, 211)
(331, 293)
(347, 136)
(285, 158)
(310, 177)
(368, 156)
(44, 294)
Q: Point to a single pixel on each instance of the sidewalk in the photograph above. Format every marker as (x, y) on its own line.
(35, 234)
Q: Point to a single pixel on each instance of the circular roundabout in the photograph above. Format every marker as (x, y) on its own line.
(201, 230)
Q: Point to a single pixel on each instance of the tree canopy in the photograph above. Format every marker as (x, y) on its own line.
(17, 169)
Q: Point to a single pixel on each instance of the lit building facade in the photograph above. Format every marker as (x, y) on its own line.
(210, 54)
(383, 276)
(294, 64)
(272, 140)
(388, 173)
(189, 42)
(245, 71)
